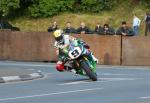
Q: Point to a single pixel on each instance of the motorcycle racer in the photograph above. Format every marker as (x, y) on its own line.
(63, 41)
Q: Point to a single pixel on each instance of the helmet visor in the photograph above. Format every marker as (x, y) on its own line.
(59, 39)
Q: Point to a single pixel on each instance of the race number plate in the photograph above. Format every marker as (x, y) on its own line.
(75, 53)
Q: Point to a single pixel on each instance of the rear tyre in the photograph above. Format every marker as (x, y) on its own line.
(85, 66)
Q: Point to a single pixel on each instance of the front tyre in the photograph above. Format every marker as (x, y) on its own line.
(85, 66)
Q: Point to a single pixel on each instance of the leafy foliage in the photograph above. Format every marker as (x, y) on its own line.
(146, 3)
(53, 7)
(96, 5)
(7, 6)
(47, 8)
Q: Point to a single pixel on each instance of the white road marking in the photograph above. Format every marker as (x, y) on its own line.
(113, 74)
(99, 80)
(145, 97)
(80, 82)
(49, 94)
(31, 65)
(119, 79)
(124, 67)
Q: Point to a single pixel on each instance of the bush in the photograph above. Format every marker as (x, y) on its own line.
(8, 6)
(46, 8)
(96, 5)
(146, 3)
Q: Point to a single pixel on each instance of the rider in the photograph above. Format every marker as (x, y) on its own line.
(63, 41)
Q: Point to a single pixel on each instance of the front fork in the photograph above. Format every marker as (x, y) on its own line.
(90, 62)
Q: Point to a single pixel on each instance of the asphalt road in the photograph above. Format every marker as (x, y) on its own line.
(115, 85)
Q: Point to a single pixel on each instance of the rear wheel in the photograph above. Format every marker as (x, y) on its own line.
(85, 66)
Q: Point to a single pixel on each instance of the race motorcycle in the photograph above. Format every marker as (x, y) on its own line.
(79, 58)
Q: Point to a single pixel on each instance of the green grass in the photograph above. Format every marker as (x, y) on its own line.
(114, 18)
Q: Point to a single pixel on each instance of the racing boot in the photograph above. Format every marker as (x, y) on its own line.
(94, 58)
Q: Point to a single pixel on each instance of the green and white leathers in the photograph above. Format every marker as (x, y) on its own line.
(77, 57)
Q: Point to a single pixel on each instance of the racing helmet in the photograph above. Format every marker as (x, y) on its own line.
(59, 36)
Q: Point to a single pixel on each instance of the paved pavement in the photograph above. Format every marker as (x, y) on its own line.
(13, 74)
(115, 85)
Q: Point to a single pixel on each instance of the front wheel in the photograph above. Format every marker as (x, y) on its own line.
(85, 66)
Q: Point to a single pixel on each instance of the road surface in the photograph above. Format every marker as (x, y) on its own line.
(116, 84)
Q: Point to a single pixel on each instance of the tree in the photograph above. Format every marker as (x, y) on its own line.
(7, 6)
(146, 3)
(96, 5)
(46, 8)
